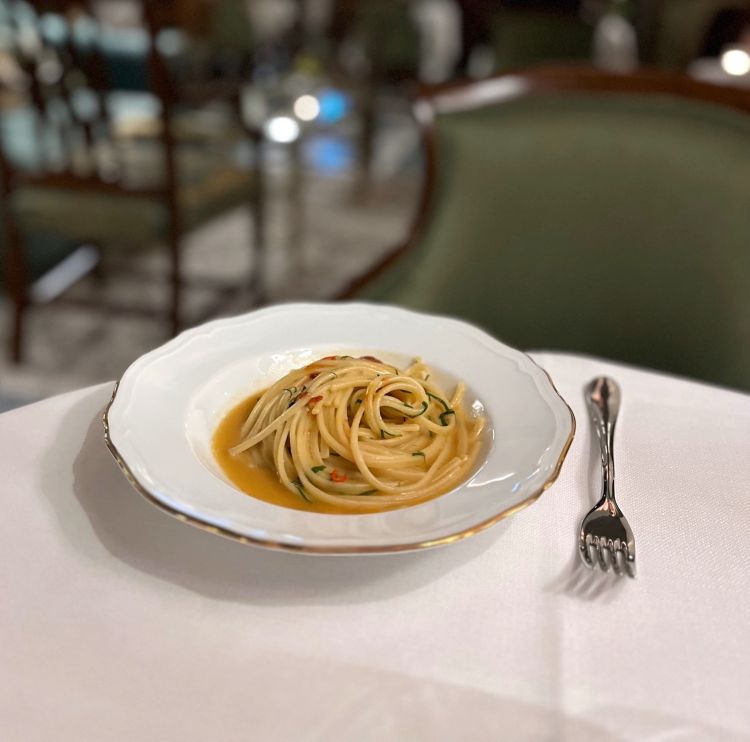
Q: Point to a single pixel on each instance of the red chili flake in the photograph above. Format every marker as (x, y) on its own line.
(370, 358)
(338, 476)
(313, 402)
(312, 376)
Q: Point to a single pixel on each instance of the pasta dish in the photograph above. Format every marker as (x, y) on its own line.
(348, 434)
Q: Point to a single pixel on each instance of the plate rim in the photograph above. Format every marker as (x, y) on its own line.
(410, 546)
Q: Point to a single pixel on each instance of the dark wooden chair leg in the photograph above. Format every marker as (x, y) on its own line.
(258, 279)
(98, 273)
(16, 337)
(16, 268)
(366, 139)
(296, 208)
(175, 283)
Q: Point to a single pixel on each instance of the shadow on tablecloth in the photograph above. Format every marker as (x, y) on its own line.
(350, 701)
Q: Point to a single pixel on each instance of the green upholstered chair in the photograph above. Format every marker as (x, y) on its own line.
(72, 172)
(574, 210)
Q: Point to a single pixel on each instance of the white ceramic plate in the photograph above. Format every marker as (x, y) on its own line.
(167, 405)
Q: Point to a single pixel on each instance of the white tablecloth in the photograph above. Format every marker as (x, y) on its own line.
(118, 622)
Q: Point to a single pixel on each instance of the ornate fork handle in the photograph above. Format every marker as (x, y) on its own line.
(604, 405)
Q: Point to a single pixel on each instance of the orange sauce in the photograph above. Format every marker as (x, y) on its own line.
(256, 481)
(261, 482)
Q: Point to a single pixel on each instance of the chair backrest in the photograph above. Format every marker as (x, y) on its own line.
(574, 210)
(65, 85)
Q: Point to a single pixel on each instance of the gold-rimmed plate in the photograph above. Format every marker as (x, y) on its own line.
(166, 407)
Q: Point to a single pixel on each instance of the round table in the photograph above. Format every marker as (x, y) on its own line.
(118, 622)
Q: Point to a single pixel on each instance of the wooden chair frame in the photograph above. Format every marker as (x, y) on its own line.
(156, 15)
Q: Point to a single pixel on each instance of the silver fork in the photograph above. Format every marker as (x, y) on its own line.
(606, 539)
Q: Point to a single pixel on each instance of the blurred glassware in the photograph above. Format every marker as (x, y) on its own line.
(615, 44)
(368, 47)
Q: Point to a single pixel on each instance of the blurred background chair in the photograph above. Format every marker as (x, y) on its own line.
(575, 210)
(83, 164)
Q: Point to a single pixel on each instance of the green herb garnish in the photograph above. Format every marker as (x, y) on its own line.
(316, 469)
(444, 415)
(418, 453)
(301, 391)
(425, 405)
(301, 490)
(438, 399)
(384, 433)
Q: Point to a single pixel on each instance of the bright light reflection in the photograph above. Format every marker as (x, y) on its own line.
(282, 129)
(735, 62)
(306, 108)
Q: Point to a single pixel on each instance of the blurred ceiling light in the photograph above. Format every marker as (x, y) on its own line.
(306, 108)
(282, 129)
(735, 62)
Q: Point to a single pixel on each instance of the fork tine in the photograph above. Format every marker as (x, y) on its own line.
(618, 559)
(583, 550)
(593, 555)
(629, 561)
(602, 553)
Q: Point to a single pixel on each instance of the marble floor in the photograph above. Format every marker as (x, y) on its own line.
(317, 241)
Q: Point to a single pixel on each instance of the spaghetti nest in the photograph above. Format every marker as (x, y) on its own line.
(360, 434)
